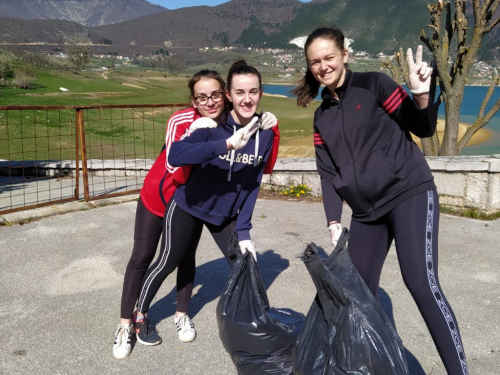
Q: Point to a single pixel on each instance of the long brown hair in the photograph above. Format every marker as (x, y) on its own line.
(308, 87)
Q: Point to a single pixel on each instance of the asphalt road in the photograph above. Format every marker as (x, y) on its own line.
(62, 275)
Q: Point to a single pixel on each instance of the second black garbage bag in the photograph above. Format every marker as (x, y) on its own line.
(258, 338)
(346, 330)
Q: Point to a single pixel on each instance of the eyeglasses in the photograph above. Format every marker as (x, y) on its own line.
(203, 100)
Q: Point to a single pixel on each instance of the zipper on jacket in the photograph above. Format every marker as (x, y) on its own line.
(353, 164)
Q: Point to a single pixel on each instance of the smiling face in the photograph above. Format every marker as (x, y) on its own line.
(326, 62)
(245, 94)
(208, 98)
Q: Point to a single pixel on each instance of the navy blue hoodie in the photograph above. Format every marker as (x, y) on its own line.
(208, 195)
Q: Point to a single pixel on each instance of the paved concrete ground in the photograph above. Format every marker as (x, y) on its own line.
(17, 192)
(61, 284)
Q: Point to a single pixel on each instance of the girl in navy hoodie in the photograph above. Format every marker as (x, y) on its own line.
(228, 164)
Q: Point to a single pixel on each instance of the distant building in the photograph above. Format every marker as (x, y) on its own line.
(362, 54)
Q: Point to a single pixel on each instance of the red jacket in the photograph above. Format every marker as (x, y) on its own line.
(162, 179)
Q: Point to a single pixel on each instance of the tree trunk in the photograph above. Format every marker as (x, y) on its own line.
(430, 145)
(452, 116)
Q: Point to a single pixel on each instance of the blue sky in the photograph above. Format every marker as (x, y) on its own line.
(174, 4)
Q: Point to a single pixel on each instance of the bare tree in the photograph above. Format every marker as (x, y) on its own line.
(79, 57)
(23, 79)
(175, 64)
(7, 60)
(448, 24)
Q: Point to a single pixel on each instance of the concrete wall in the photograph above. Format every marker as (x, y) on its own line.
(462, 181)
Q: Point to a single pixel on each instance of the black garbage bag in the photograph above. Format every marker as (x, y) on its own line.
(258, 338)
(346, 330)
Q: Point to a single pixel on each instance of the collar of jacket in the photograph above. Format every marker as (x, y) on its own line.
(341, 91)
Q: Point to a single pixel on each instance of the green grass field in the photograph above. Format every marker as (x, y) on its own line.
(50, 134)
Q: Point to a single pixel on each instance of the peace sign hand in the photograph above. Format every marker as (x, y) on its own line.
(420, 73)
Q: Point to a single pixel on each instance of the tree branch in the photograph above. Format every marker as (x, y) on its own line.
(492, 112)
(487, 97)
(460, 22)
(481, 120)
(393, 69)
(445, 77)
(492, 25)
(493, 7)
(425, 40)
(478, 10)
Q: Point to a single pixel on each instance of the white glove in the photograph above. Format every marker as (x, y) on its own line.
(335, 232)
(247, 245)
(419, 72)
(239, 139)
(202, 122)
(268, 120)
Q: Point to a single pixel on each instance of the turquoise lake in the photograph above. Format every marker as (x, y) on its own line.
(473, 98)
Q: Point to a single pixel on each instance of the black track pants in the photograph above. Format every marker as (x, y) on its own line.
(414, 226)
(181, 234)
(147, 233)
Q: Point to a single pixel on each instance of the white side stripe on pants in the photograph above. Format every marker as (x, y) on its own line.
(438, 295)
(163, 261)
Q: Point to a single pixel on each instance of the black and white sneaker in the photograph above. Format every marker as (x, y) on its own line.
(185, 328)
(145, 334)
(122, 346)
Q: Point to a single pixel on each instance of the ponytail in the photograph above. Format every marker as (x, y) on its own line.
(306, 90)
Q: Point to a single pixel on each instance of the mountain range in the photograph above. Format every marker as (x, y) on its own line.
(375, 26)
(85, 12)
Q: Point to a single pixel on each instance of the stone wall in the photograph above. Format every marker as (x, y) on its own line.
(462, 181)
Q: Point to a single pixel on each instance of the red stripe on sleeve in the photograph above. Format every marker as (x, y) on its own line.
(395, 100)
(318, 140)
(393, 95)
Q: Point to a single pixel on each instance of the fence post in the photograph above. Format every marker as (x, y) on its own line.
(81, 135)
(77, 156)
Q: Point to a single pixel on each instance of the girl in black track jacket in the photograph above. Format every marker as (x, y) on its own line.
(366, 157)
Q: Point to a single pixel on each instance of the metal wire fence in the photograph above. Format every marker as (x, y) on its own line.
(53, 154)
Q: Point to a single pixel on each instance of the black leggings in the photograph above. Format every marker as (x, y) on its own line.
(414, 226)
(147, 233)
(181, 234)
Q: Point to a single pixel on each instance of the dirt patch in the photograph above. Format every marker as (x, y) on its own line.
(47, 94)
(480, 136)
(92, 95)
(297, 147)
(132, 85)
(275, 95)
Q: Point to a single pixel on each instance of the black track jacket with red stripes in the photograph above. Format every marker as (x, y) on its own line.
(364, 151)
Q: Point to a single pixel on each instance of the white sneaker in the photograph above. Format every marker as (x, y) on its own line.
(185, 328)
(122, 346)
